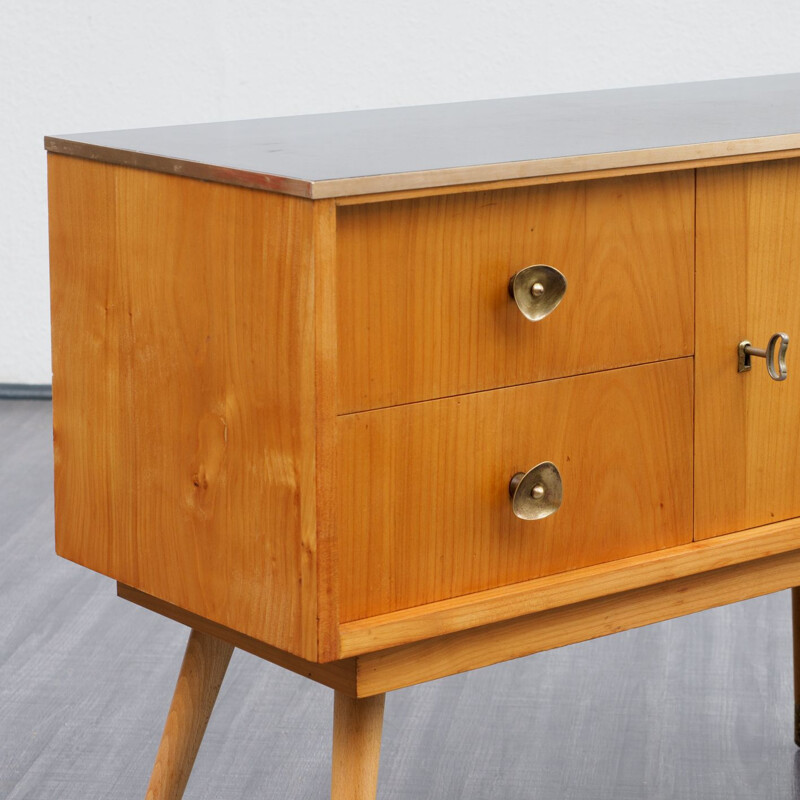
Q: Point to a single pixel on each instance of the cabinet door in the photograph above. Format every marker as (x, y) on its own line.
(747, 426)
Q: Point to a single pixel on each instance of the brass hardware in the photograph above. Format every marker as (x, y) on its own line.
(747, 351)
(537, 493)
(537, 290)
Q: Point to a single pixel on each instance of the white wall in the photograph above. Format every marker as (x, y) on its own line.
(104, 64)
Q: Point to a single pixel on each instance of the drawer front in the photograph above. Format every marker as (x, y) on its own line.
(422, 286)
(748, 288)
(423, 509)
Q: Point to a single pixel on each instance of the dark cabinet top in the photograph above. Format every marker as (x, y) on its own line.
(360, 152)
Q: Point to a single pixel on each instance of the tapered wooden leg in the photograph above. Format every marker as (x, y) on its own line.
(796, 648)
(357, 728)
(202, 671)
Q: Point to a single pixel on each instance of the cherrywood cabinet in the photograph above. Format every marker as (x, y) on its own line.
(305, 402)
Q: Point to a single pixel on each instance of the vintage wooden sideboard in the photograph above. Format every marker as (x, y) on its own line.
(384, 396)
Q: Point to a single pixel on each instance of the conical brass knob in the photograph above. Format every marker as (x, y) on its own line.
(537, 493)
(537, 290)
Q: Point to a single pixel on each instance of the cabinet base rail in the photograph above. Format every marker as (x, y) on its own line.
(404, 665)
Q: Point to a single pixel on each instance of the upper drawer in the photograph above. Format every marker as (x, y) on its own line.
(422, 286)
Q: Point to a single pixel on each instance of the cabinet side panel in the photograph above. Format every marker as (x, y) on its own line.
(183, 393)
(748, 288)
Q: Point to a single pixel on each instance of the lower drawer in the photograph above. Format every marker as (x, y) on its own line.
(423, 509)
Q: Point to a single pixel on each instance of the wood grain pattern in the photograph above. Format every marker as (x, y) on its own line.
(403, 666)
(183, 360)
(357, 729)
(424, 512)
(576, 586)
(422, 290)
(202, 672)
(748, 287)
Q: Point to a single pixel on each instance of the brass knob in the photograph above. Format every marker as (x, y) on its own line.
(776, 372)
(537, 493)
(537, 290)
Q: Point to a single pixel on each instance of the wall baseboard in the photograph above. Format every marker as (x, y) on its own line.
(26, 391)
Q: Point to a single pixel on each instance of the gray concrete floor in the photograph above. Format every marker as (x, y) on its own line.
(699, 707)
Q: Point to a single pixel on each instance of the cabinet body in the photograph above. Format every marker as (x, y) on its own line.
(295, 420)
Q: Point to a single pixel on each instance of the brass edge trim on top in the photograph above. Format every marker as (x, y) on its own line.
(569, 177)
(563, 165)
(427, 179)
(180, 167)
